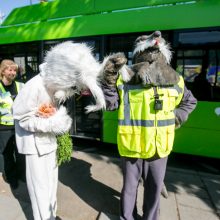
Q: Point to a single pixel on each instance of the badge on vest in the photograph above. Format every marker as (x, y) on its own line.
(158, 105)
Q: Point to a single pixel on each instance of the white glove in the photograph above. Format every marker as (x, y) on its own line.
(60, 121)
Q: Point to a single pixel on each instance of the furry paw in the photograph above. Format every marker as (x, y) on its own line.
(60, 121)
(92, 108)
(115, 62)
(112, 65)
(126, 73)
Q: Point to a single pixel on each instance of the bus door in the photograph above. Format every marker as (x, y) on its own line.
(87, 125)
(198, 62)
(84, 125)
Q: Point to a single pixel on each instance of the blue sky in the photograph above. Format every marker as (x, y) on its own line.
(6, 6)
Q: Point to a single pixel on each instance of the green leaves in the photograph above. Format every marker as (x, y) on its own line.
(64, 148)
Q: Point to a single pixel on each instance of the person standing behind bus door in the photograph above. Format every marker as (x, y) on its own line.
(12, 164)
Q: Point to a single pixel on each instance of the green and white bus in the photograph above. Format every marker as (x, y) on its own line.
(191, 27)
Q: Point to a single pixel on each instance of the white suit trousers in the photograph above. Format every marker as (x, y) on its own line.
(42, 180)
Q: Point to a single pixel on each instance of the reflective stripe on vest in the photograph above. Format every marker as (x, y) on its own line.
(143, 131)
(6, 103)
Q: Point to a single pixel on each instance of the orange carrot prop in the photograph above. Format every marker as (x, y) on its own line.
(64, 141)
(46, 110)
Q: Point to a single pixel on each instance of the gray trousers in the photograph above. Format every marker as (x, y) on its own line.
(152, 171)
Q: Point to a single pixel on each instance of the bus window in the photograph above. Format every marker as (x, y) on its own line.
(189, 68)
(21, 70)
(32, 67)
(28, 67)
(192, 65)
(200, 37)
(122, 43)
(189, 63)
(213, 73)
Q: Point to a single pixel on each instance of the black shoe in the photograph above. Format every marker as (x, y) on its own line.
(13, 184)
(58, 218)
(4, 178)
(22, 178)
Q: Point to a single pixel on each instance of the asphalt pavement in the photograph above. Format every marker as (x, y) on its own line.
(90, 184)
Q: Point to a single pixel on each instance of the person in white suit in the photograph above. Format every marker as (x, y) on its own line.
(68, 68)
(36, 138)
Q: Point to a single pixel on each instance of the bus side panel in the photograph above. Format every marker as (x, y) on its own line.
(200, 142)
(110, 124)
(156, 18)
(200, 135)
(204, 116)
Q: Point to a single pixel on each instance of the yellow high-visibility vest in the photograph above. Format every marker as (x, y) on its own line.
(142, 130)
(6, 102)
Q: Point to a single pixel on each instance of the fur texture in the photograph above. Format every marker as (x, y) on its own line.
(70, 68)
(151, 62)
(111, 66)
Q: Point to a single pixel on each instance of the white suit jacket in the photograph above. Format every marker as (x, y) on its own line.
(33, 134)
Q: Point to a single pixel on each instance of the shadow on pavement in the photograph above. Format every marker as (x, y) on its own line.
(195, 177)
(77, 175)
(187, 176)
(21, 194)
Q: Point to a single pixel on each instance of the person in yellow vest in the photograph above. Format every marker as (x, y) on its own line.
(152, 101)
(11, 163)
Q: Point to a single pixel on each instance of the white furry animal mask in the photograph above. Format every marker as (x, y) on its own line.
(69, 68)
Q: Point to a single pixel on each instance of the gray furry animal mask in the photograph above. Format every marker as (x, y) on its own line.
(151, 62)
(70, 68)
